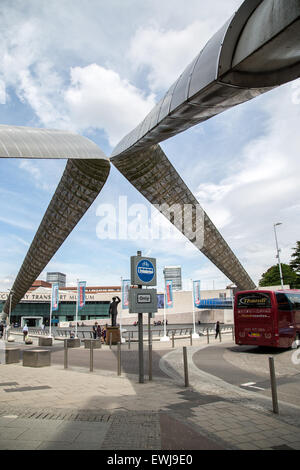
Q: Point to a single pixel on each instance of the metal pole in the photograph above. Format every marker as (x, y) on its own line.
(185, 367)
(119, 358)
(220, 336)
(141, 349)
(91, 355)
(50, 330)
(11, 293)
(207, 334)
(273, 385)
(76, 313)
(110, 340)
(65, 353)
(278, 257)
(150, 347)
(173, 340)
(191, 338)
(129, 335)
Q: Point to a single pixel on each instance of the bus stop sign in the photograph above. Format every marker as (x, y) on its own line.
(143, 271)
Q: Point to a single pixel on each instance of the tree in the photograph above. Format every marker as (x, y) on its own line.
(295, 261)
(272, 277)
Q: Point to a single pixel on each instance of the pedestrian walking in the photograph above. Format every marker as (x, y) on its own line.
(25, 332)
(217, 329)
(104, 335)
(99, 332)
(95, 330)
(1, 330)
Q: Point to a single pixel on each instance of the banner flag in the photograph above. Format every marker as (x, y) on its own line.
(81, 294)
(55, 297)
(169, 294)
(197, 296)
(125, 293)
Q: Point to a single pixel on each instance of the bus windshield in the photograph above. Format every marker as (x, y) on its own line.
(254, 300)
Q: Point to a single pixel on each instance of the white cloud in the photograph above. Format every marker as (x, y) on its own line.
(37, 170)
(165, 53)
(261, 189)
(99, 98)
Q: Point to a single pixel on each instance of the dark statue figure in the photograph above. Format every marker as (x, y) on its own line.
(113, 310)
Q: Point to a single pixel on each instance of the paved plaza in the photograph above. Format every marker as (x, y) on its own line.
(56, 408)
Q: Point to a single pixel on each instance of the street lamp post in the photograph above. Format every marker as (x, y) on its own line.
(11, 293)
(278, 251)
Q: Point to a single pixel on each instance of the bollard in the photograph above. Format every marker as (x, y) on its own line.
(220, 336)
(191, 339)
(150, 347)
(185, 367)
(273, 385)
(119, 358)
(141, 349)
(129, 341)
(173, 340)
(207, 334)
(150, 362)
(110, 340)
(91, 356)
(65, 353)
(233, 332)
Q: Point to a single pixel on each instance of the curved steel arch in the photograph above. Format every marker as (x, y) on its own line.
(256, 50)
(86, 172)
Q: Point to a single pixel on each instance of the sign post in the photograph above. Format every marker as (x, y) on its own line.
(125, 286)
(53, 304)
(80, 302)
(168, 303)
(196, 301)
(143, 273)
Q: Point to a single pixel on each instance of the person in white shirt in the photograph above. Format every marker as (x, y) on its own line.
(25, 332)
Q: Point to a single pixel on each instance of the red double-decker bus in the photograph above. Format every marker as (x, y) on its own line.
(267, 318)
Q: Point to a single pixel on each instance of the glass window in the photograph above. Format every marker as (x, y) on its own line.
(294, 300)
(283, 302)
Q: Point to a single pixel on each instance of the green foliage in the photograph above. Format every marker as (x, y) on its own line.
(272, 276)
(295, 261)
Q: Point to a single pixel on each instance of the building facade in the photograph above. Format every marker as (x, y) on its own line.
(60, 278)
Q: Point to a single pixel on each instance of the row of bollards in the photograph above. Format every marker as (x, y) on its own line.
(185, 364)
(92, 355)
(272, 378)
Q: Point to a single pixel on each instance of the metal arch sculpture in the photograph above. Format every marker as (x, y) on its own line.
(86, 171)
(256, 50)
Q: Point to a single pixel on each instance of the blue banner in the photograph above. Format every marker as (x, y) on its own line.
(81, 294)
(55, 297)
(125, 293)
(169, 294)
(196, 293)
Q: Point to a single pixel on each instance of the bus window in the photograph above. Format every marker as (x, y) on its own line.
(283, 302)
(295, 301)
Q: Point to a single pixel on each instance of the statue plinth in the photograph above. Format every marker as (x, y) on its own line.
(114, 331)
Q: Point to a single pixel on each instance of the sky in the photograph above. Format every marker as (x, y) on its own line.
(97, 67)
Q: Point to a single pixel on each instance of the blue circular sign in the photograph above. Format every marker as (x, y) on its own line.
(145, 270)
